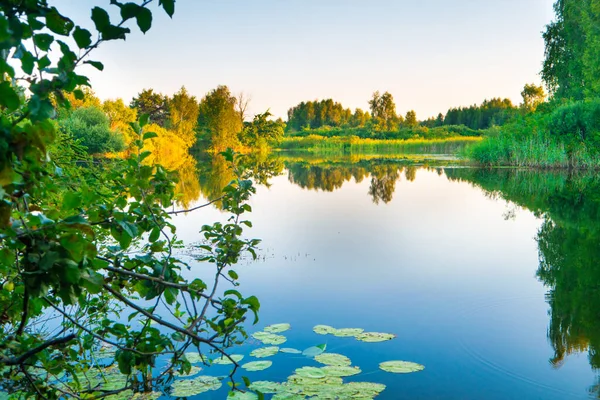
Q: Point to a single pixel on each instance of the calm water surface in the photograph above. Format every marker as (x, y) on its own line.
(486, 277)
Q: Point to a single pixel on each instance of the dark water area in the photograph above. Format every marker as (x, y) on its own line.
(489, 278)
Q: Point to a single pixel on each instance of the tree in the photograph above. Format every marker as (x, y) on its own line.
(121, 117)
(87, 245)
(411, 119)
(91, 127)
(533, 96)
(242, 102)
(571, 66)
(183, 114)
(153, 104)
(218, 120)
(262, 132)
(317, 114)
(383, 111)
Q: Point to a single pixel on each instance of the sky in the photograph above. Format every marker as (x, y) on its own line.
(429, 54)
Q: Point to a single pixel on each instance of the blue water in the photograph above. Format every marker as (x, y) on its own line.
(445, 266)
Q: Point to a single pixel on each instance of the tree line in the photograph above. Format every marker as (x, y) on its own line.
(383, 117)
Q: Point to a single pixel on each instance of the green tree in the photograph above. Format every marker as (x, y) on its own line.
(153, 104)
(411, 119)
(183, 114)
(218, 121)
(91, 127)
(262, 131)
(533, 96)
(383, 112)
(89, 246)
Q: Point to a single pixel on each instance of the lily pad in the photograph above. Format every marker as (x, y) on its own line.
(265, 352)
(315, 350)
(147, 396)
(365, 389)
(324, 329)
(265, 387)
(193, 371)
(311, 372)
(290, 351)
(277, 328)
(401, 367)
(226, 361)
(193, 387)
(242, 396)
(374, 337)
(340, 371)
(269, 338)
(334, 359)
(348, 332)
(194, 358)
(257, 365)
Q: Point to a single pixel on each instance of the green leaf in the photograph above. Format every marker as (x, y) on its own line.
(129, 10)
(168, 6)
(43, 41)
(233, 275)
(154, 235)
(144, 19)
(71, 200)
(150, 135)
(8, 96)
(144, 119)
(57, 23)
(44, 62)
(82, 37)
(27, 62)
(100, 18)
(96, 64)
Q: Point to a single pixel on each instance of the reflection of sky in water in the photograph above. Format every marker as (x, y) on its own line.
(440, 266)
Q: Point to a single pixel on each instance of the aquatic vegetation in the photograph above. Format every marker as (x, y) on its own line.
(265, 387)
(265, 352)
(193, 387)
(324, 329)
(269, 338)
(333, 359)
(277, 328)
(375, 337)
(348, 332)
(289, 351)
(257, 365)
(242, 396)
(401, 367)
(227, 360)
(315, 350)
(193, 371)
(340, 371)
(194, 357)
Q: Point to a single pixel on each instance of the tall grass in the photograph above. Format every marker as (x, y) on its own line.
(536, 150)
(353, 144)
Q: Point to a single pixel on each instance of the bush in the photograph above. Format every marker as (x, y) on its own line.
(91, 127)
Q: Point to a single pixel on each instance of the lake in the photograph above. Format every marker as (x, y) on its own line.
(488, 278)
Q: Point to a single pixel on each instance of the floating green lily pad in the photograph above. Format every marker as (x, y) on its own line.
(226, 360)
(324, 329)
(401, 367)
(277, 328)
(265, 387)
(242, 396)
(269, 338)
(265, 352)
(333, 359)
(311, 372)
(374, 337)
(257, 365)
(315, 350)
(290, 351)
(340, 371)
(193, 371)
(147, 396)
(195, 386)
(365, 389)
(348, 332)
(194, 358)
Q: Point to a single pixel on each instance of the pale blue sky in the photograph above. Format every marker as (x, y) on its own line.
(430, 54)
